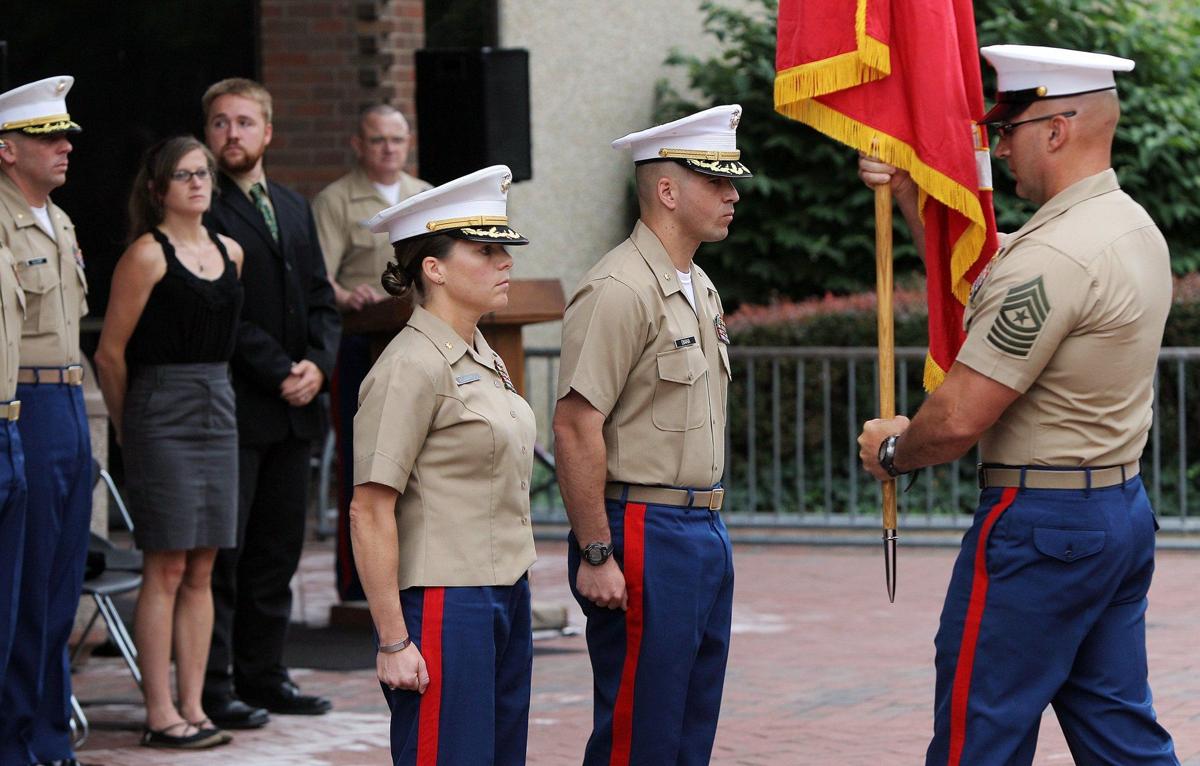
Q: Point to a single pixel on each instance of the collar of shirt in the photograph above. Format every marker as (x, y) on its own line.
(12, 198)
(1103, 182)
(655, 255)
(362, 188)
(448, 342)
(244, 184)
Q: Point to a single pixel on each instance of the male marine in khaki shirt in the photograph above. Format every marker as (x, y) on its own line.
(639, 429)
(12, 461)
(1047, 602)
(355, 257)
(36, 128)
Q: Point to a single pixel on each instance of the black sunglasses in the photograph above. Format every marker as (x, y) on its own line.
(1005, 129)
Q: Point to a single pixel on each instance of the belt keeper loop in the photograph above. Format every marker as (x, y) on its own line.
(1022, 485)
(624, 495)
(691, 497)
(1087, 482)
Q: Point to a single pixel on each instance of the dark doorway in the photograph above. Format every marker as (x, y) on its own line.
(140, 67)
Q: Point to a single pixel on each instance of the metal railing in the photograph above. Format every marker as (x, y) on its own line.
(792, 457)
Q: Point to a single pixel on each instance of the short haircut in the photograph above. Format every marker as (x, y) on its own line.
(378, 109)
(238, 86)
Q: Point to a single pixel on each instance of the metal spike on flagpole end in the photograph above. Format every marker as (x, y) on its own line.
(889, 562)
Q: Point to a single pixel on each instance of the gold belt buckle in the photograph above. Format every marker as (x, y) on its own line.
(73, 375)
(14, 410)
(716, 499)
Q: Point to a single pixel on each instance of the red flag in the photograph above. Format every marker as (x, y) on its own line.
(903, 75)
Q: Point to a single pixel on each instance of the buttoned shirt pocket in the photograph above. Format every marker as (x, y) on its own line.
(679, 403)
(1068, 545)
(40, 281)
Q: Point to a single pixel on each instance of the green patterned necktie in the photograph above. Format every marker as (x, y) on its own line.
(259, 195)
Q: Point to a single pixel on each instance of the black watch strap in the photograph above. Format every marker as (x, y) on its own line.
(596, 553)
(887, 455)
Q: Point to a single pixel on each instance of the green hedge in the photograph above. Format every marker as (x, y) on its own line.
(849, 321)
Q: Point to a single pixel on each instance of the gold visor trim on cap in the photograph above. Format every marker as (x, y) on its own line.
(53, 127)
(724, 168)
(36, 121)
(698, 154)
(475, 220)
(493, 233)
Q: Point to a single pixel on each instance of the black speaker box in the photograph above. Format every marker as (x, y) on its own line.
(472, 111)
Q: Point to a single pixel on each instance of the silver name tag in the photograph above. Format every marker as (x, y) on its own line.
(463, 380)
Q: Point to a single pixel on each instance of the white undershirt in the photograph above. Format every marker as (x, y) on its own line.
(685, 283)
(42, 214)
(390, 192)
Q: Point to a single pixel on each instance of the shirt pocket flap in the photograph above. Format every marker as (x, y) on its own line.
(1068, 545)
(38, 275)
(363, 238)
(682, 365)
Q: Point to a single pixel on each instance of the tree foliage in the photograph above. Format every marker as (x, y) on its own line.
(805, 223)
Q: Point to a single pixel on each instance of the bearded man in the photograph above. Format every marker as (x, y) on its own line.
(284, 355)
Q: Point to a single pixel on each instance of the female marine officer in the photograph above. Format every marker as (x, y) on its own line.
(443, 456)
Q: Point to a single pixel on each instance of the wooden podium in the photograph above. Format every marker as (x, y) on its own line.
(529, 301)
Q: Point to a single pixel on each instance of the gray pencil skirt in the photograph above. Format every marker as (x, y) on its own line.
(179, 443)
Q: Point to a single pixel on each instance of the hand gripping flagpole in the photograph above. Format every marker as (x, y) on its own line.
(887, 364)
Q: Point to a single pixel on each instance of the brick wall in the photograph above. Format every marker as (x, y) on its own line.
(324, 59)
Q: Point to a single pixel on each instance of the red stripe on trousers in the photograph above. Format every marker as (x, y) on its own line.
(961, 690)
(635, 556)
(431, 700)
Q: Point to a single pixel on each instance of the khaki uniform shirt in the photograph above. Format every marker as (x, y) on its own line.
(12, 317)
(439, 422)
(1071, 313)
(657, 369)
(354, 255)
(51, 274)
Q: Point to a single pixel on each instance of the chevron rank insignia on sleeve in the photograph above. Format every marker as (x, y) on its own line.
(1021, 318)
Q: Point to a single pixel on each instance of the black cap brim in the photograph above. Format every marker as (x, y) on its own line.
(500, 235)
(51, 128)
(1004, 111)
(722, 168)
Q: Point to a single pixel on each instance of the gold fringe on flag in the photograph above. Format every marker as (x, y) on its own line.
(871, 60)
(931, 182)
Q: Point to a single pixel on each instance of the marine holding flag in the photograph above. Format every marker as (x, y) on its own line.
(1047, 601)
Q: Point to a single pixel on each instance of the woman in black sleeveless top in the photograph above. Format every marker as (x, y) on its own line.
(163, 368)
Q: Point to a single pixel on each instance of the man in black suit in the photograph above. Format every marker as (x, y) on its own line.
(285, 352)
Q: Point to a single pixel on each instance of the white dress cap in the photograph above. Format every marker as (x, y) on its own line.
(705, 142)
(38, 108)
(1028, 73)
(473, 207)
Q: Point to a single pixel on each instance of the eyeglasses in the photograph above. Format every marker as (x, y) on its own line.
(389, 140)
(185, 176)
(1006, 129)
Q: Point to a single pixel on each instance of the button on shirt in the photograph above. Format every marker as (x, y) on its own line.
(353, 254)
(50, 271)
(1071, 314)
(434, 425)
(657, 369)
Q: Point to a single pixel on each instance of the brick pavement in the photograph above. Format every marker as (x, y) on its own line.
(823, 671)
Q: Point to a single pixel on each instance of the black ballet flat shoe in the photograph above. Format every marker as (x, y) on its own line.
(200, 739)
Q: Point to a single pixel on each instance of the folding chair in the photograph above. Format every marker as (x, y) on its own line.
(122, 574)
